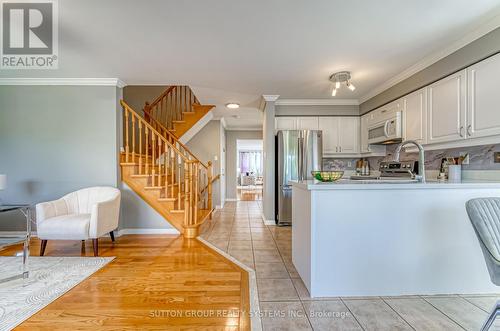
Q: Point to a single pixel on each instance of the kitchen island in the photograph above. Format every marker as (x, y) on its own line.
(369, 238)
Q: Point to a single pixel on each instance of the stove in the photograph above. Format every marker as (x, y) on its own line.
(403, 169)
(393, 171)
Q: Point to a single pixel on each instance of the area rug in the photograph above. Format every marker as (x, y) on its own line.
(50, 277)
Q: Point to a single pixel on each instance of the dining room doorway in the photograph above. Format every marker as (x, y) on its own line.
(249, 169)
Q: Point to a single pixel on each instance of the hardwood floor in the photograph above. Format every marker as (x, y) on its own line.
(155, 282)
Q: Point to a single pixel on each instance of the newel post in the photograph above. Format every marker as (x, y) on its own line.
(209, 178)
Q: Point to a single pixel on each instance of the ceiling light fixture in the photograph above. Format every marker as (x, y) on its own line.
(233, 105)
(341, 77)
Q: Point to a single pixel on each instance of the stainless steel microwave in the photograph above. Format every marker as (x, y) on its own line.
(386, 131)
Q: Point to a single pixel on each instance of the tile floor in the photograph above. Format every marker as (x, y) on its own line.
(284, 300)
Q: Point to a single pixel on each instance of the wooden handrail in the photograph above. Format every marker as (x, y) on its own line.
(161, 96)
(171, 105)
(211, 182)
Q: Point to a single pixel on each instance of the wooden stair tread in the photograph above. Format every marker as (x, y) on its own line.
(178, 122)
(154, 187)
(167, 199)
(177, 211)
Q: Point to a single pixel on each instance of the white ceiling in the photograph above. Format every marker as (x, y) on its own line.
(237, 50)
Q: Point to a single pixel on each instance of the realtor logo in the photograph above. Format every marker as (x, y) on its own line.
(29, 34)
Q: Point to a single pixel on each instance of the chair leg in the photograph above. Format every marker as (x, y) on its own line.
(112, 235)
(95, 245)
(496, 311)
(42, 247)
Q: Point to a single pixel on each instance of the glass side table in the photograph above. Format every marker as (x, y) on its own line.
(26, 211)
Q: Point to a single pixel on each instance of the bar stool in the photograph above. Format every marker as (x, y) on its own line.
(484, 214)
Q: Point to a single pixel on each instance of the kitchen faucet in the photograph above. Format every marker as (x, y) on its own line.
(421, 158)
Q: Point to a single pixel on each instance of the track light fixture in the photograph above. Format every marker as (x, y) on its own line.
(341, 77)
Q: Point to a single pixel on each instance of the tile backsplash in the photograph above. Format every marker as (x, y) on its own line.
(480, 158)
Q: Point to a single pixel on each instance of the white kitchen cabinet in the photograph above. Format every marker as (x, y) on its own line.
(330, 127)
(364, 147)
(483, 117)
(340, 135)
(348, 135)
(307, 123)
(385, 112)
(446, 112)
(363, 143)
(286, 123)
(414, 108)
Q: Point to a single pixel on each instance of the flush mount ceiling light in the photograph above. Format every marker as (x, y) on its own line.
(233, 105)
(341, 77)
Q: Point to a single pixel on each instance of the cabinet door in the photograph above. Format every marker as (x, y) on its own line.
(364, 121)
(446, 115)
(330, 128)
(286, 123)
(307, 123)
(484, 98)
(415, 116)
(348, 135)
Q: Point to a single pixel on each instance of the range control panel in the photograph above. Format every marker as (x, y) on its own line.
(398, 169)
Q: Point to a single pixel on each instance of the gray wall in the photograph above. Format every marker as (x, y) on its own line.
(317, 110)
(54, 140)
(476, 51)
(231, 150)
(137, 214)
(206, 146)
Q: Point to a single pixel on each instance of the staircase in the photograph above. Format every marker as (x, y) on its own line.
(159, 168)
(177, 110)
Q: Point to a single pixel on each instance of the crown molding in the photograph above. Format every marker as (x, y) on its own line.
(64, 81)
(235, 128)
(270, 97)
(475, 34)
(317, 102)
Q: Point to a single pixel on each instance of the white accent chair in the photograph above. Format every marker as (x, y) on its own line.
(85, 214)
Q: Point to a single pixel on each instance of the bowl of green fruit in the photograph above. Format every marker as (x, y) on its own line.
(327, 176)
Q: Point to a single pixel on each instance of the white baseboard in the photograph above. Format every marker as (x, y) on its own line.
(229, 200)
(121, 232)
(266, 221)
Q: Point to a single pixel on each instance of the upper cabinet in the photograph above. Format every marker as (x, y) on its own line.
(446, 113)
(297, 123)
(307, 123)
(329, 126)
(286, 123)
(348, 135)
(414, 108)
(483, 116)
(340, 134)
(363, 125)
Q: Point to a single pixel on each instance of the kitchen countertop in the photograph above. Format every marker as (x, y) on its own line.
(348, 184)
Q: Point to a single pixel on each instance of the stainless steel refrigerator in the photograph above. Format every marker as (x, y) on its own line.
(298, 153)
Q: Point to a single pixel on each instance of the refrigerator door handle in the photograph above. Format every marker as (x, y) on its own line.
(301, 158)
